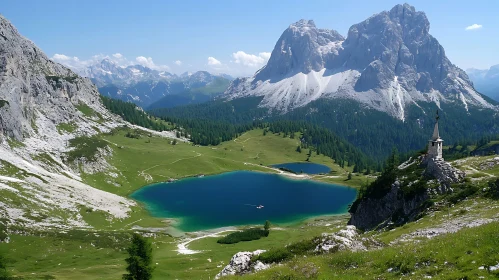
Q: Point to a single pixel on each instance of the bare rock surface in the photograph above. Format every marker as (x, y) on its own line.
(241, 264)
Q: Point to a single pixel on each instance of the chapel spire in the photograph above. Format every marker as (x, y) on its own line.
(436, 133)
(435, 145)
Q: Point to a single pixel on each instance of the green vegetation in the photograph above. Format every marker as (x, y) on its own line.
(373, 132)
(3, 103)
(245, 235)
(131, 113)
(3, 269)
(493, 191)
(66, 127)
(13, 143)
(85, 147)
(139, 261)
(280, 254)
(267, 225)
(87, 111)
(453, 256)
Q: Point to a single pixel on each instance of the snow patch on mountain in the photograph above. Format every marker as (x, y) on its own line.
(387, 62)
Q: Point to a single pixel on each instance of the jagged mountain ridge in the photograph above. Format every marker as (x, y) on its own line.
(387, 62)
(37, 96)
(144, 86)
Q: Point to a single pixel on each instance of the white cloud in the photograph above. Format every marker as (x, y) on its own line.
(474, 27)
(79, 65)
(178, 62)
(62, 57)
(251, 60)
(147, 62)
(213, 61)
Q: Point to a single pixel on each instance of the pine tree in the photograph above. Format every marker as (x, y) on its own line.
(139, 262)
(298, 149)
(349, 176)
(4, 275)
(266, 226)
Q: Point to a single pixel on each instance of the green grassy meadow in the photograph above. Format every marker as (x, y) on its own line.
(99, 253)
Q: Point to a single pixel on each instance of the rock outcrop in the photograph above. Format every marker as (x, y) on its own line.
(394, 208)
(345, 240)
(443, 171)
(38, 97)
(241, 264)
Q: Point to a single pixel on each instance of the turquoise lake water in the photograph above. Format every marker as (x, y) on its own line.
(304, 167)
(230, 199)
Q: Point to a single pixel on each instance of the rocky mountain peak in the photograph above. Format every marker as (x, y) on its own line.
(387, 62)
(302, 47)
(303, 24)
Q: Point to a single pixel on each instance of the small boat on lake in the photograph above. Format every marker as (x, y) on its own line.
(259, 206)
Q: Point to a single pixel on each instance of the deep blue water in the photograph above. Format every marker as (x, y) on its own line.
(230, 199)
(304, 167)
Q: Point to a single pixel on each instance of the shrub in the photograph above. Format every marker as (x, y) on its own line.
(85, 147)
(493, 191)
(464, 192)
(245, 235)
(274, 255)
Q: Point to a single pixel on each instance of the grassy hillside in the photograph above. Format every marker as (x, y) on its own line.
(99, 253)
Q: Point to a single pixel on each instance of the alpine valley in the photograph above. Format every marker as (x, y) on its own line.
(150, 88)
(369, 156)
(378, 87)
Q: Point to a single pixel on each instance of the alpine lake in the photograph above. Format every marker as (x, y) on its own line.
(245, 198)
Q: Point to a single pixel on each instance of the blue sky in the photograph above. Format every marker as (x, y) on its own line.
(182, 35)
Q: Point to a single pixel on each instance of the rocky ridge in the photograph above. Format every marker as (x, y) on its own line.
(38, 97)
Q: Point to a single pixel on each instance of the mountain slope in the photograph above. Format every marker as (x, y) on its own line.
(45, 106)
(144, 86)
(387, 62)
(194, 95)
(486, 81)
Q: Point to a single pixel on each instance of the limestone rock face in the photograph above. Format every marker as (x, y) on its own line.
(241, 264)
(393, 208)
(443, 171)
(31, 84)
(387, 62)
(345, 240)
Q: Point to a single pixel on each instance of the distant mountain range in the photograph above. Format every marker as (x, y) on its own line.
(147, 87)
(486, 81)
(388, 62)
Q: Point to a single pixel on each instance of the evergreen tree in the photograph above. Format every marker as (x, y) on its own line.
(298, 149)
(174, 142)
(139, 262)
(4, 275)
(266, 226)
(349, 176)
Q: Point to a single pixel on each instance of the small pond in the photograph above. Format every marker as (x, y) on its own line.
(304, 167)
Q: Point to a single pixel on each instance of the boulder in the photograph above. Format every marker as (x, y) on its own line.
(241, 264)
(345, 240)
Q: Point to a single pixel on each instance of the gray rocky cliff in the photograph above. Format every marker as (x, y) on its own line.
(388, 62)
(33, 85)
(302, 47)
(392, 209)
